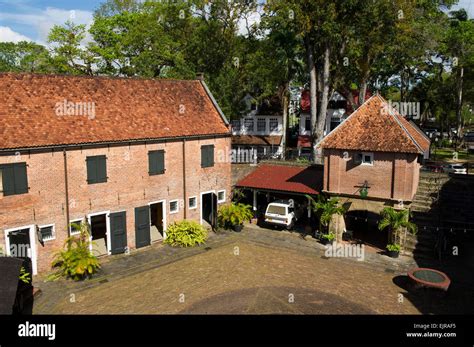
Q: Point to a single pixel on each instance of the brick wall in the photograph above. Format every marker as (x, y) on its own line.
(390, 171)
(128, 186)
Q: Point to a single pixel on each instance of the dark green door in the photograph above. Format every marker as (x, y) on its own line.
(118, 232)
(142, 226)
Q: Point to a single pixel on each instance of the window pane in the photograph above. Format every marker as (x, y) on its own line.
(273, 124)
(173, 206)
(47, 232)
(248, 124)
(220, 196)
(261, 124)
(192, 202)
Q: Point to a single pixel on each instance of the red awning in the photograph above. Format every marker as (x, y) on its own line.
(293, 179)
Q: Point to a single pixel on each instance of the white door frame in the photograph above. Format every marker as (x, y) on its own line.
(107, 227)
(33, 249)
(200, 210)
(164, 214)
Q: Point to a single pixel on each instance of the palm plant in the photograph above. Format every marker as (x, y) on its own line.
(396, 221)
(326, 209)
(234, 214)
(76, 260)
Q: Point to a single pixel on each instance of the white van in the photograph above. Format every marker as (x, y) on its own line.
(282, 213)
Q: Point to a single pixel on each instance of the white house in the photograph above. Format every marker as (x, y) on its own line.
(261, 129)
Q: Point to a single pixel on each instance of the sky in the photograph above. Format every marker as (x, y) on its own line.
(31, 20)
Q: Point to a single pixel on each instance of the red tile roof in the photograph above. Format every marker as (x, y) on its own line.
(256, 140)
(125, 109)
(375, 126)
(295, 179)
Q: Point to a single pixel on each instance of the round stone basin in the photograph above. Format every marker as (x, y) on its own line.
(427, 277)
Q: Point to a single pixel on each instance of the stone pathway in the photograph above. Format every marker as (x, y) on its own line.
(255, 271)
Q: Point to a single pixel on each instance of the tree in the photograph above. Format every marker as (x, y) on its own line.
(68, 54)
(396, 221)
(24, 57)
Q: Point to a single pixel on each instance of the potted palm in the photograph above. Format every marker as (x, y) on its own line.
(327, 238)
(393, 250)
(326, 209)
(395, 221)
(234, 215)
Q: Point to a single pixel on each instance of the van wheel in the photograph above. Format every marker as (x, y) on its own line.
(289, 227)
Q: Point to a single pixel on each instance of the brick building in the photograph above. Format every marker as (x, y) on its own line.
(373, 158)
(130, 155)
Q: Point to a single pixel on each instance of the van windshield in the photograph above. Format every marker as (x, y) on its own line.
(276, 209)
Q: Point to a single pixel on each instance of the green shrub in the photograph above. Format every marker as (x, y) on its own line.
(393, 247)
(76, 260)
(185, 234)
(234, 214)
(328, 236)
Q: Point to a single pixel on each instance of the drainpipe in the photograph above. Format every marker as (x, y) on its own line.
(255, 201)
(66, 189)
(184, 178)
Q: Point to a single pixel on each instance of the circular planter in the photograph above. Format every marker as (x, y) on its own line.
(430, 278)
(238, 228)
(393, 254)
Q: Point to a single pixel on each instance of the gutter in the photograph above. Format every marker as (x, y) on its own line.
(118, 142)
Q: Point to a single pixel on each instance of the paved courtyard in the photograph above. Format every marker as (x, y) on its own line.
(253, 272)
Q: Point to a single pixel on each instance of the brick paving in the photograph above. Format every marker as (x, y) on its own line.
(254, 272)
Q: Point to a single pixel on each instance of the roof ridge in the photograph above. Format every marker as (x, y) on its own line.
(397, 114)
(104, 77)
(345, 120)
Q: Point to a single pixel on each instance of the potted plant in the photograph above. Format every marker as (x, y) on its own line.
(234, 215)
(396, 222)
(393, 250)
(325, 209)
(327, 238)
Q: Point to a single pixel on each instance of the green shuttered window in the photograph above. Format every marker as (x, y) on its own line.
(14, 179)
(207, 156)
(96, 169)
(156, 162)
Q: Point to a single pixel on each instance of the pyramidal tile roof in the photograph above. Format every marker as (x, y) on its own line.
(57, 110)
(376, 126)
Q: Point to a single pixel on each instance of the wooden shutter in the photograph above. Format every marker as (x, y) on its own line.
(21, 180)
(207, 156)
(161, 161)
(8, 180)
(156, 162)
(91, 170)
(14, 179)
(96, 169)
(101, 169)
(211, 155)
(203, 156)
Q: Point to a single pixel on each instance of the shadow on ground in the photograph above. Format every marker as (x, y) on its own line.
(276, 300)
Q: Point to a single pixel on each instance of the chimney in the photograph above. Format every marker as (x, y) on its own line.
(200, 76)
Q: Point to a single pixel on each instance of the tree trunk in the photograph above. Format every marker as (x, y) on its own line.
(312, 90)
(459, 105)
(323, 106)
(285, 104)
(363, 87)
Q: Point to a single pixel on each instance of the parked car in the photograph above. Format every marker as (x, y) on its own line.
(433, 168)
(455, 168)
(283, 213)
